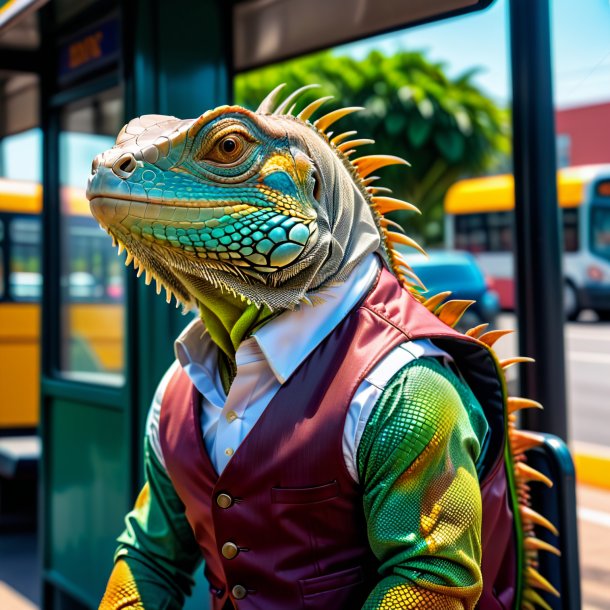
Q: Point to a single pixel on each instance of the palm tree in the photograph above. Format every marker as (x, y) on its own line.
(447, 128)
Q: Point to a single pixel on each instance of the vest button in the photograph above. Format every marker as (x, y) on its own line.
(239, 592)
(224, 500)
(229, 550)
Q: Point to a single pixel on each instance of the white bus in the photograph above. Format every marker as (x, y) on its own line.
(479, 219)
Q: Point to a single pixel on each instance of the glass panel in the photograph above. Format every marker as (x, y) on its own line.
(25, 279)
(92, 280)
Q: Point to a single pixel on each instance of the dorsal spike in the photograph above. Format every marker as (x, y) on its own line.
(373, 190)
(390, 204)
(386, 222)
(405, 273)
(516, 404)
(493, 335)
(526, 473)
(349, 152)
(399, 238)
(508, 362)
(367, 165)
(476, 330)
(338, 139)
(398, 258)
(451, 312)
(311, 108)
(434, 301)
(291, 109)
(531, 543)
(530, 515)
(535, 579)
(523, 440)
(292, 97)
(324, 122)
(268, 104)
(354, 143)
(529, 595)
(370, 180)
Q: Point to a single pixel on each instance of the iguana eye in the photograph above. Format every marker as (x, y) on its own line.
(227, 150)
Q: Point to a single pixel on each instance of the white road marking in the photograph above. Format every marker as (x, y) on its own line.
(597, 517)
(589, 357)
(593, 336)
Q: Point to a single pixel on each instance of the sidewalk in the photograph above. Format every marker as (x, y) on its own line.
(19, 573)
(594, 542)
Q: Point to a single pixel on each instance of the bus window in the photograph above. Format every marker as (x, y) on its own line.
(600, 231)
(25, 279)
(470, 233)
(500, 231)
(92, 280)
(570, 229)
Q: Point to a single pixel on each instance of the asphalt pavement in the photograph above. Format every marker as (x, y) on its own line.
(587, 345)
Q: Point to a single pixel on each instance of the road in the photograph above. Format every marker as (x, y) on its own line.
(588, 376)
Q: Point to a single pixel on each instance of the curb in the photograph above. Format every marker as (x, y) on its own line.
(592, 464)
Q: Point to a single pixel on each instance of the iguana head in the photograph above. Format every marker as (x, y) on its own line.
(264, 205)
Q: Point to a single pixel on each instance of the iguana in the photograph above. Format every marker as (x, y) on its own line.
(250, 216)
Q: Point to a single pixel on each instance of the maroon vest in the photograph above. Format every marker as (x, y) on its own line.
(282, 527)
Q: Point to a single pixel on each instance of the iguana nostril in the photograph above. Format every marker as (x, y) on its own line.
(125, 166)
(95, 164)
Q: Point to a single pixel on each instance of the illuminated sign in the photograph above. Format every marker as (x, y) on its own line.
(603, 188)
(89, 50)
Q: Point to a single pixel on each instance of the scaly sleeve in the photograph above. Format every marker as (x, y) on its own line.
(422, 501)
(157, 552)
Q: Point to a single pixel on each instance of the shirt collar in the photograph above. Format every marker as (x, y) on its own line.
(287, 340)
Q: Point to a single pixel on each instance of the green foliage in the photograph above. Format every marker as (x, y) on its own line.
(446, 128)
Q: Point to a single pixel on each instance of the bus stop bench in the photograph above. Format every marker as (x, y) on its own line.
(558, 504)
(19, 457)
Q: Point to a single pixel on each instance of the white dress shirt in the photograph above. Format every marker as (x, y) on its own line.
(267, 359)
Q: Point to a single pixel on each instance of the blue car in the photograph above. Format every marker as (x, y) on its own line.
(458, 272)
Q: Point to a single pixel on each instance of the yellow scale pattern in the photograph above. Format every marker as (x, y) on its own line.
(122, 590)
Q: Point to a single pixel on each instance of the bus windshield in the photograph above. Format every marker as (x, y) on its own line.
(600, 231)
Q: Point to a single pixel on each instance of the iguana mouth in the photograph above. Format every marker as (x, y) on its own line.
(191, 203)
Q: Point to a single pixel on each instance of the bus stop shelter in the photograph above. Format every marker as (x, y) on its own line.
(97, 64)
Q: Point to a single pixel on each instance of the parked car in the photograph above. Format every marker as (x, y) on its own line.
(458, 272)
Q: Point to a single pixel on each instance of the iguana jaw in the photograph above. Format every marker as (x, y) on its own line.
(177, 245)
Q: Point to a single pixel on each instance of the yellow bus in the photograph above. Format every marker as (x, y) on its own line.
(479, 219)
(92, 311)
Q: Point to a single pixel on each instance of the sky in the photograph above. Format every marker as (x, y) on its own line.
(580, 38)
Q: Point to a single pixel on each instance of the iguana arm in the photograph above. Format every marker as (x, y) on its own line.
(157, 553)
(421, 493)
